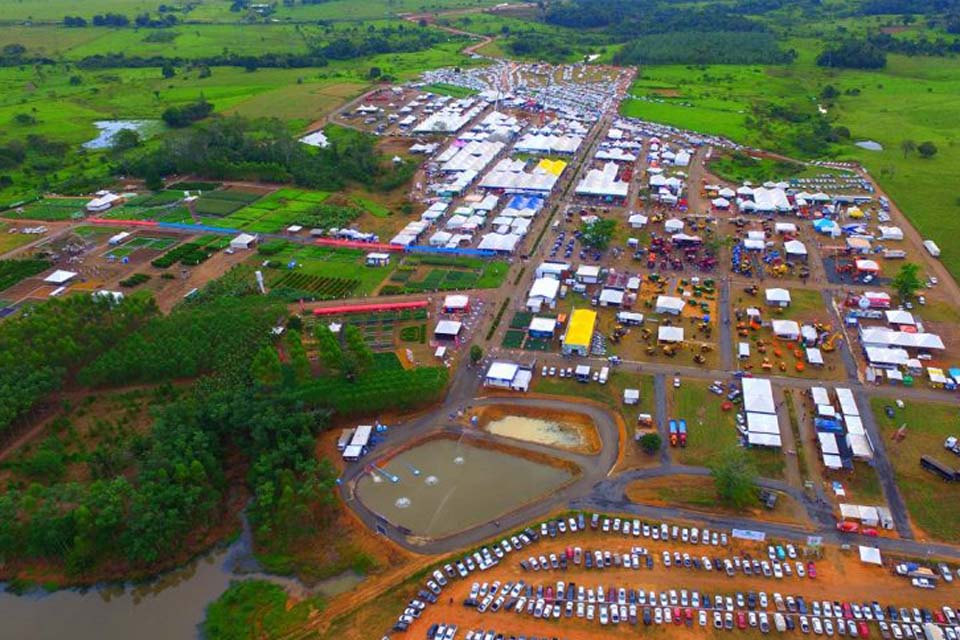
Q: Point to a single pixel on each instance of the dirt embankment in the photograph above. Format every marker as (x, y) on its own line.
(580, 423)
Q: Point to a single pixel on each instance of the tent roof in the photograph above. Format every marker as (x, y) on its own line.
(60, 276)
(502, 370)
(448, 328)
(670, 334)
(758, 395)
(870, 555)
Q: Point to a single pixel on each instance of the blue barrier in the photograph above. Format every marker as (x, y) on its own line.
(196, 227)
(451, 251)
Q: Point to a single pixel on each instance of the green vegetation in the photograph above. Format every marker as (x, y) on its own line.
(735, 478)
(598, 234)
(440, 273)
(13, 271)
(255, 604)
(907, 281)
(927, 425)
(451, 90)
(135, 280)
(740, 167)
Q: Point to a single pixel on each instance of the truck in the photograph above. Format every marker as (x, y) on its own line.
(894, 254)
(952, 445)
(931, 248)
(935, 466)
(604, 375)
(674, 433)
(683, 432)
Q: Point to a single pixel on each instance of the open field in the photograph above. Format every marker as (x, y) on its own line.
(930, 501)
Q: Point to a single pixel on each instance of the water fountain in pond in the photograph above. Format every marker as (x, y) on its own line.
(389, 476)
(402, 502)
(459, 460)
(431, 481)
(413, 469)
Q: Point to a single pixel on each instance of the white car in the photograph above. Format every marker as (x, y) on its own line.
(702, 618)
(676, 383)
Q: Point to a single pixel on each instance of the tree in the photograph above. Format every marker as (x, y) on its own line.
(476, 353)
(927, 149)
(829, 92)
(125, 139)
(24, 119)
(328, 347)
(651, 442)
(168, 71)
(153, 181)
(597, 234)
(735, 478)
(908, 146)
(265, 367)
(361, 351)
(374, 73)
(907, 280)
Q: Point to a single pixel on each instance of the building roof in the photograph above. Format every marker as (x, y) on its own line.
(502, 371)
(786, 328)
(448, 328)
(758, 395)
(762, 423)
(670, 334)
(545, 288)
(543, 325)
(60, 276)
(778, 295)
(456, 302)
(670, 303)
(580, 330)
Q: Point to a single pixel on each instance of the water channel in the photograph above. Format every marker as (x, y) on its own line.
(171, 607)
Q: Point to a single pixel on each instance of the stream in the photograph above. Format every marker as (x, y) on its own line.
(172, 606)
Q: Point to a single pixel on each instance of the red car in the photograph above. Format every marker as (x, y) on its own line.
(548, 594)
(811, 570)
(741, 620)
(677, 615)
(848, 527)
(939, 617)
(847, 611)
(870, 531)
(689, 613)
(863, 629)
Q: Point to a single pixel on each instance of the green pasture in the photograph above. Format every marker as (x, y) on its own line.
(326, 262)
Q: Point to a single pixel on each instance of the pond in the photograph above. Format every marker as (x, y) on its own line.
(173, 606)
(445, 486)
(554, 433)
(109, 128)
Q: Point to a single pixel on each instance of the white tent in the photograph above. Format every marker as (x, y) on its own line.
(778, 297)
(673, 225)
(870, 555)
(758, 395)
(670, 334)
(669, 304)
(60, 277)
(786, 329)
(795, 248)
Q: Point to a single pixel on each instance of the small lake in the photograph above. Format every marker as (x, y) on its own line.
(171, 607)
(110, 128)
(445, 486)
(548, 432)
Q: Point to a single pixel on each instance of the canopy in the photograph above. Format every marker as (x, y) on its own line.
(870, 555)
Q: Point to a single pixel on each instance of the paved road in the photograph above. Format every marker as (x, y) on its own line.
(726, 327)
(661, 415)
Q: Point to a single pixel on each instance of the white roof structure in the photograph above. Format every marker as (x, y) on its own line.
(787, 329)
(603, 182)
(60, 276)
(763, 439)
(631, 396)
(777, 296)
(555, 269)
(795, 248)
(753, 244)
(884, 356)
(891, 233)
(814, 356)
(545, 289)
(762, 422)
(758, 395)
(854, 425)
(502, 371)
(669, 304)
(860, 446)
(498, 242)
(448, 328)
(637, 220)
(473, 156)
(832, 461)
(673, 225)
(611, 297)
(870, 555)
(848, 405)
(820, 395)
(670, 334)
(542, 325)
(630, 317)
(588, 271)
(457, 301)
(886, 337)
(785, 227)
(899, 316)
(828, 443)
(316, 139)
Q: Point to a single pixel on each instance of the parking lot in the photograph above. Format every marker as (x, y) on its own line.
(584, 574)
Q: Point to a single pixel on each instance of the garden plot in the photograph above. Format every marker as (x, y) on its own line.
(222, 203)
(51, 210)
(438, 273)
(321, 273)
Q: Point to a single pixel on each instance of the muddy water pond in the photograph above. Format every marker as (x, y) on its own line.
(445, 486)
(554, 433)
(173, 606)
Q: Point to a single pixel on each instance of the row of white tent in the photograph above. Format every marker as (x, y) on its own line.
(762, 423)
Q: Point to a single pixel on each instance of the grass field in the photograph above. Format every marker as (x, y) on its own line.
(10, 241)
(322, 262)
(931, 502)
(711, 431)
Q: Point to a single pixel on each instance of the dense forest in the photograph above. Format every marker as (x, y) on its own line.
(715, 47)
(246, 421)
(243, 149)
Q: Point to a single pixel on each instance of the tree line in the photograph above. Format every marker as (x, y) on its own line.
(714, 47)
